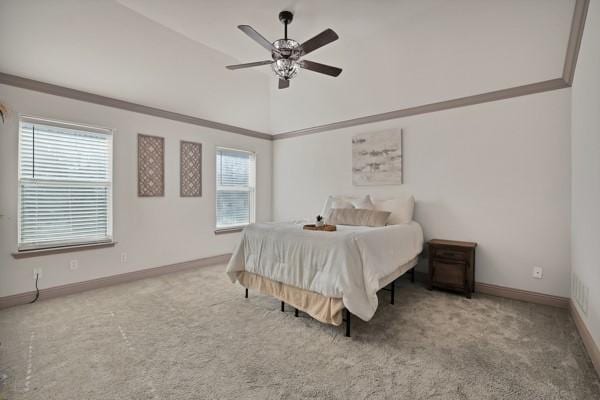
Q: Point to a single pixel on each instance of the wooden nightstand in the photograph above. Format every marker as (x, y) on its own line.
(452, 265)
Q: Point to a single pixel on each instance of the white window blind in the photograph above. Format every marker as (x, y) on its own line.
(65, 184)
(235, 188)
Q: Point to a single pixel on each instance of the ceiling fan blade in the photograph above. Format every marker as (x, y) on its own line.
(284, 83)
(257, 37)
(249, 65)
(320, 68)
(323, 38)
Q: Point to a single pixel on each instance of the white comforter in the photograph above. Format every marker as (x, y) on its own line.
(346, 264)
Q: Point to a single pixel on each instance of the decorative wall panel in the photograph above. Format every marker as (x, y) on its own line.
(190, 169)
(151, 166)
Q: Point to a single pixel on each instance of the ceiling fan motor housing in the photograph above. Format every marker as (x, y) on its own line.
(286, 17)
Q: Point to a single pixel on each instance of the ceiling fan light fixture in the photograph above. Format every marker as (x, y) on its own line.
(286, 53)
(285, 68)
(286, 48)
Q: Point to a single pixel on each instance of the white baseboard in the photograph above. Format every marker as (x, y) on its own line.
(588, 341)
(523, 295)
(62, 290)
(511, 293)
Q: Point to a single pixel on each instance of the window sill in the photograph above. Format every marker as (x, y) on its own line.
(234, 229)
(58, 250)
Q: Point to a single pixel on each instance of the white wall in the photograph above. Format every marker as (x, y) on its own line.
(585, 245)
(152, 231)
(401, 54)
(105, 48)
(394, 54)
(496, 173)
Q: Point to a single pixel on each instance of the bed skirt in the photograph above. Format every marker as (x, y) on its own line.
(322, 308)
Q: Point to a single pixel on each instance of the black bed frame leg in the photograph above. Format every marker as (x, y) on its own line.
(392, 292)
(246, 292)
(295, 312)
(348, 318)
(412, 274)
(282, 306)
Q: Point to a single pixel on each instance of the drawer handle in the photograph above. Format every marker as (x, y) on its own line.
(450, 254)
(452, 262)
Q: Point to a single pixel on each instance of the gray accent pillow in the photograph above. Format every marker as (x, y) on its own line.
(357, 216)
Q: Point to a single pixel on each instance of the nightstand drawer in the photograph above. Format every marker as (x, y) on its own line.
(449, 254)
(449, 273)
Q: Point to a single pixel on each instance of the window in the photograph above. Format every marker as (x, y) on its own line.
(235, 188)
(65, 184)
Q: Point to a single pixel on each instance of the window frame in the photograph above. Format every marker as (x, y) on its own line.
(24, 248)
(251, 190)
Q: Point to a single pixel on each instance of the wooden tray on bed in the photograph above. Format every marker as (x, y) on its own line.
(325, 228)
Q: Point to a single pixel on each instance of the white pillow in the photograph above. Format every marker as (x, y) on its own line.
(401, 208)
(336, 202)
(358, 217)
(341, 203)
(365, 203)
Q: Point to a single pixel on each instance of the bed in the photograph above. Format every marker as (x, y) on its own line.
(328, 275)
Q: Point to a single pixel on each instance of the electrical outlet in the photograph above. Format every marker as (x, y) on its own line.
(538, 272)
(37, 273)
(123, 258)
(73, 265)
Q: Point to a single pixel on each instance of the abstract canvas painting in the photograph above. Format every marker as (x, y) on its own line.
(151, 166)
(190, 169)
(377, 158)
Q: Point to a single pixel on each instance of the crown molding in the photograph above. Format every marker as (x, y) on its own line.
(574, 43)
(88, 97)
(565, 81)
(517, 91)
(577, 27)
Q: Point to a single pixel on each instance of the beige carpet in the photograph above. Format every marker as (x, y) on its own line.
(192, 335)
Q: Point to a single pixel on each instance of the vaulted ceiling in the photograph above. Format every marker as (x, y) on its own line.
(395, 53)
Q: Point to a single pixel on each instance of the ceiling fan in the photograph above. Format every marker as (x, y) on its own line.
(286, 53)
